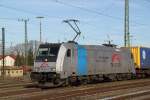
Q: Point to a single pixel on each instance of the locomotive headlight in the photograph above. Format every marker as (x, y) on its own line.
(53, 69)
(45, 60)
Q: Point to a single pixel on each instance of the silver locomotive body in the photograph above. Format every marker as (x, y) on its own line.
(58, 63)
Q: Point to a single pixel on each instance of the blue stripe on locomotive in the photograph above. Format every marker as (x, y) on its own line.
(82, 60)
(145, 57)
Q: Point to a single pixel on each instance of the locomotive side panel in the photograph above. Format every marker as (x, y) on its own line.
(82, 65)
(104, 60)
(97, 60)
(127, 60)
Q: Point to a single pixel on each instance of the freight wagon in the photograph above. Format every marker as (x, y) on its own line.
(69, 63)
(141, 56)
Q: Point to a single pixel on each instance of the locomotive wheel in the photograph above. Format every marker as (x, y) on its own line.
(84, 82)
(113, 77)
(129, 76)
(65, 82)
(143, 75)
(57, 81)
(119, 78)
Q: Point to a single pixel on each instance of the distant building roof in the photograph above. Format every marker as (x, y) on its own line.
(12, 56)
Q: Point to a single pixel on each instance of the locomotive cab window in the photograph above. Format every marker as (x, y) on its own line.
(48, 51)
(43, 52)
(53, 51)
(69, 53)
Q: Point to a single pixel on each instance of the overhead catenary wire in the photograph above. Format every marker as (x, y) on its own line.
(147, 1)
(61, 2)
(66, 4)
(70, 5)
(86, 9)
(13, 19)
(15, 9)
(25, 11)
(94, 11)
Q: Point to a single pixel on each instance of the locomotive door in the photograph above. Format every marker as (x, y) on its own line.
(68, 60)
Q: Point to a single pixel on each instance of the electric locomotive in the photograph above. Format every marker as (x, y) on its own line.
(67, 63)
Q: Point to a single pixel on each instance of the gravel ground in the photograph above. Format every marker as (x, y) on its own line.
(122, 90)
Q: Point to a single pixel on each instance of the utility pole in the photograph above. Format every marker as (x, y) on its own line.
(126, 25)
(40, 17)
(3, 52)
(26, 40)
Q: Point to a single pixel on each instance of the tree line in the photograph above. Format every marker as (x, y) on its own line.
(20, 58)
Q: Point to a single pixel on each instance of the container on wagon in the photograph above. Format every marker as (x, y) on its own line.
(141, 56)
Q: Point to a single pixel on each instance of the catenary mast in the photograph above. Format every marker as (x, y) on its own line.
(126, 25)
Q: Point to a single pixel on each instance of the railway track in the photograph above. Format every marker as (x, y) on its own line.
(139, 95)
(14, 85)
(86, 91)
(96, 91)
(8, 87)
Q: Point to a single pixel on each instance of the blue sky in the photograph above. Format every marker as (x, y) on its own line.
(98, 20)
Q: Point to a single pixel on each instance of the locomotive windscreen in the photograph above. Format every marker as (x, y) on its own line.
(48, 52)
